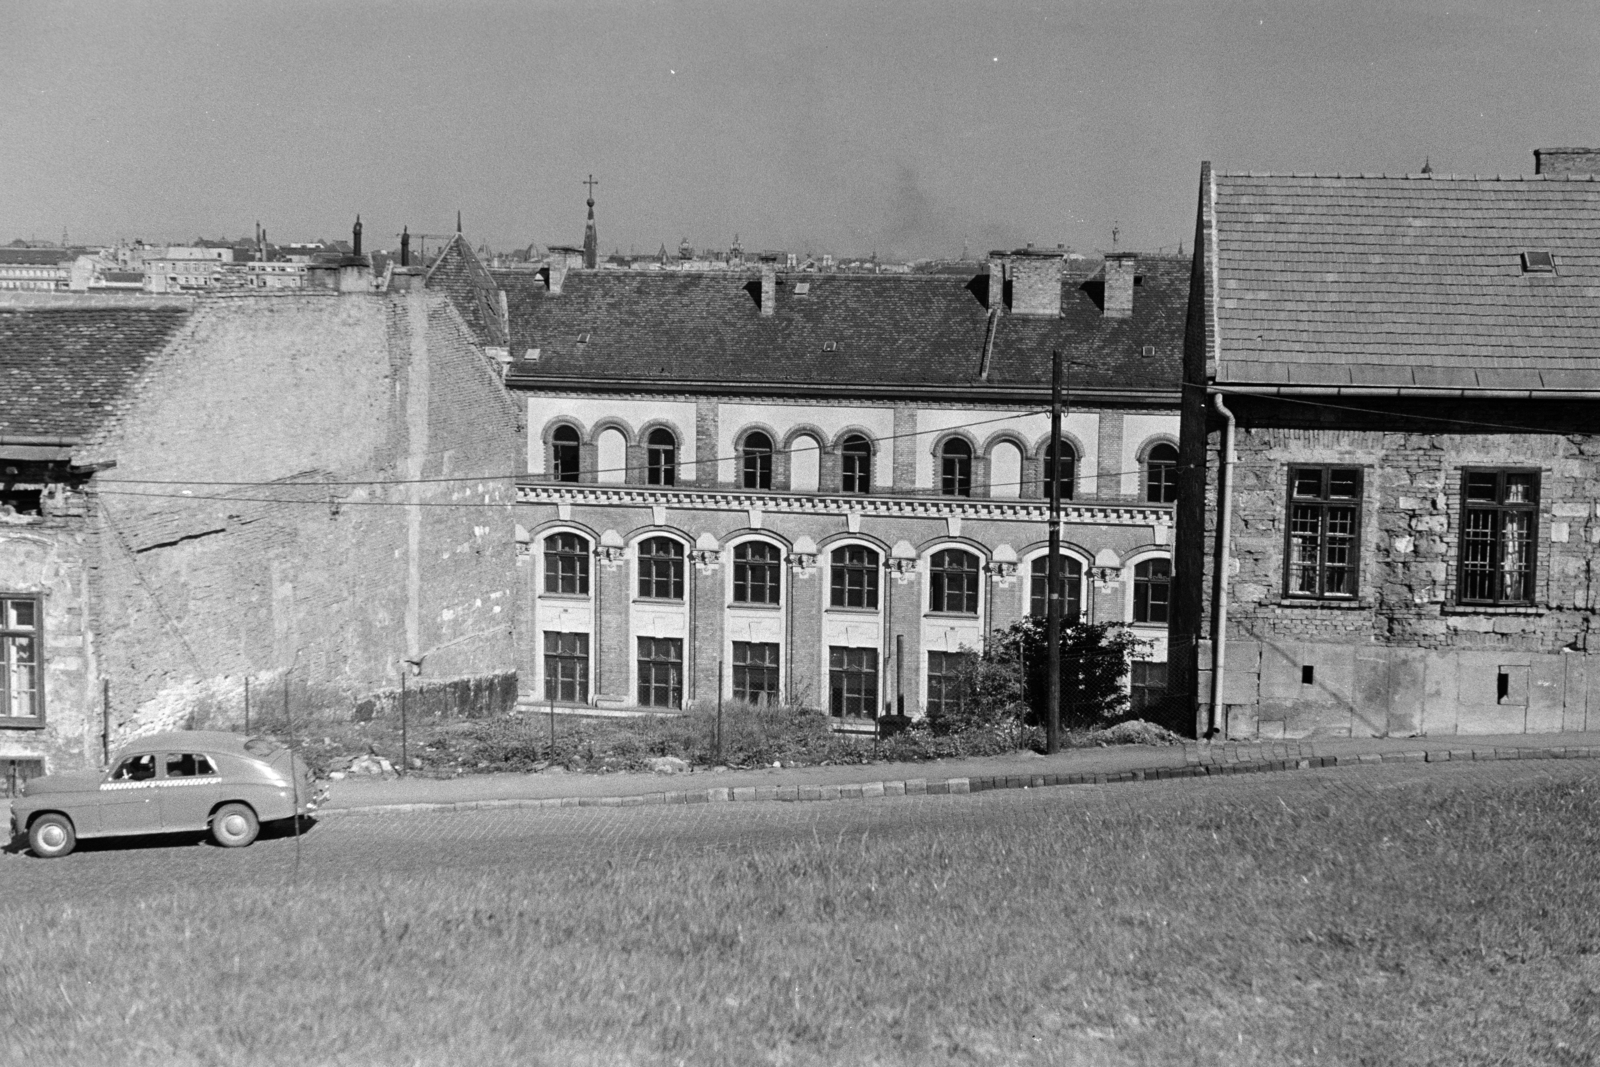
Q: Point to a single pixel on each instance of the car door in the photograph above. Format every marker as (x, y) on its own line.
(129, 797)
(189, 790)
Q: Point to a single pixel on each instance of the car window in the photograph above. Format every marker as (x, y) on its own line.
(135, 769)
(188, 765)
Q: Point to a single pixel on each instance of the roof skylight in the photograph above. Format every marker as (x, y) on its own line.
(1538, 262)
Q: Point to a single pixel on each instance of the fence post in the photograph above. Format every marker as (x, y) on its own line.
(719, 711)
(105, 720)
(551, 696)
(405, 752)
(247, 703)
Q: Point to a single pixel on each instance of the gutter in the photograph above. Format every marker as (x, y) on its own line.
(1406, 391)
(969, 391)
(1219, 609)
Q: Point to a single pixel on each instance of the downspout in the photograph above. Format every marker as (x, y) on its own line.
(1219, 611)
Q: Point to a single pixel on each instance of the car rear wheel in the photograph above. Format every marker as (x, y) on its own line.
(234, 826)
(51, 836)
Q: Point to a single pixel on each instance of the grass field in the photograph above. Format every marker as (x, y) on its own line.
(1426, 925)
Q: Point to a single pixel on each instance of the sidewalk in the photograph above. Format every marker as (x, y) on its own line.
(859, 781)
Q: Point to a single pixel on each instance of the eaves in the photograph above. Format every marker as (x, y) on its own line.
(966, 391)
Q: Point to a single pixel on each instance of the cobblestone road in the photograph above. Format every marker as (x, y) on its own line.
(456, 843)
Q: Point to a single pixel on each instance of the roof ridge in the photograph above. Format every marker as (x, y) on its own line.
(1412, 177)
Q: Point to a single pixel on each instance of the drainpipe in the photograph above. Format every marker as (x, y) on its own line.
(1219, 613)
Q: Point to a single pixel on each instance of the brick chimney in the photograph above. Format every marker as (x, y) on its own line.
(1118, 301)
(1035, 276)
(562, 258)
(1566, 162)
(997, 280)
(769, 283)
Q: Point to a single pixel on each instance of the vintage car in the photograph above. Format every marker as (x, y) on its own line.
(190, 780)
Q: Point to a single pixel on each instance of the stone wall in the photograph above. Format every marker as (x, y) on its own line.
(1403, 657)
(309, 489)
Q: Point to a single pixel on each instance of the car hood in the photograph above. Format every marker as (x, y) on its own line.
(70, 782)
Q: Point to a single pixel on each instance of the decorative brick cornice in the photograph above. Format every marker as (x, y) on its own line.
(639, 496)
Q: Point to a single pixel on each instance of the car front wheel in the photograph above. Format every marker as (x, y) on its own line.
(234, 826)
(51, 836)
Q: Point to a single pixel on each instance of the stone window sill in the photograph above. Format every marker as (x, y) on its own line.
(1491, 609)
(21, 724)
(751, 605)
(1319, 604)
(571, 598)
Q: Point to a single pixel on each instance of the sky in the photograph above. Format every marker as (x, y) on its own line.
(909, 129)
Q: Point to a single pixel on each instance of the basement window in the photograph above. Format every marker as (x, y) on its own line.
(1536, 262)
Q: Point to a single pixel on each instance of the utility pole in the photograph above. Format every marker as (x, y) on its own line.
(1053, 565)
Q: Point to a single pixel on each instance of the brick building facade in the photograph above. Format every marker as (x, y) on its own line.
(1405, 371)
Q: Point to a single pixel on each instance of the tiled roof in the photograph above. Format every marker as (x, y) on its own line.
(458, 272)
(886, 330)
(1393, 282)
(62, 369)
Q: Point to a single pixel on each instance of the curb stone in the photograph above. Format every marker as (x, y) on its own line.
(1225, 765)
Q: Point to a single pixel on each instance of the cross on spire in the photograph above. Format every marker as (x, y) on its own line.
(591, 183)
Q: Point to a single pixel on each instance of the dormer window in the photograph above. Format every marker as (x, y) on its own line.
(1538, 262)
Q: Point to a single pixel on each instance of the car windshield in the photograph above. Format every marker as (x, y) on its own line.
(262, 746)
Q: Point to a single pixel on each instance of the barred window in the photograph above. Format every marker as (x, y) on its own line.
(953, 582)
(1499, 524)
(1324, 527)
(756, 573)
(1161, 475)
(566, 667)
(661, 569)
(955, 468)
(21, 699)
(755, 672)
(755, 459)
(1152, 590)
(855, 465)
(944, 682)
(564, 452)
(1072, 595)
(854, 578)
(566, 564)
(852, 682)
(661, 672)
(661, 458)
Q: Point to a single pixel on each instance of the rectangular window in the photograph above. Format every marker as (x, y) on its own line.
(854, 581)
(944, 682)
(1499, 527)
(1152, 590)
(661, 672)
(21, 699)
(566, 564)
(1324, 525)
(566, 667)
(1148, 685)
(852, 682)
(755, 672)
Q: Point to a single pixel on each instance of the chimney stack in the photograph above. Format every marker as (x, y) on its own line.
(769, 283)
(997, 280)
(1566, 162)
(1035, 277)
(1118, 300)
(561, 260)
(405, 246)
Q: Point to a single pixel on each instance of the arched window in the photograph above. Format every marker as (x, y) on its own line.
(566, 564)
(804, 455)
(755, 461)
(564, 453)
(953, 584)
(756, 573)
(955, 468)
(1065, 472)
(661, 569)
(1152, 590)
(1072, 578)
(1161, 475)
(855, 465)
(661, 458)
(854, 578)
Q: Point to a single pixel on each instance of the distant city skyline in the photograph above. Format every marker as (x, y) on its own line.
(909, 129)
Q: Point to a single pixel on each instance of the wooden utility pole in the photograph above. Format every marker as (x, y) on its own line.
(1053, 566)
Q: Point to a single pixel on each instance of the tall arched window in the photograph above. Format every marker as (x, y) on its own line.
(756, 573)
(566, 564)
(1152, 590)
(661, 458)
(564, 453)
(1161, 475)
(955, 468)
(855, 465)
(661, 569)
(1065, 471)
(755, 461)
(1071, 577)
(854, 578)
(953, 582)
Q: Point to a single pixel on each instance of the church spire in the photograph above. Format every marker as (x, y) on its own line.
(591, 240)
